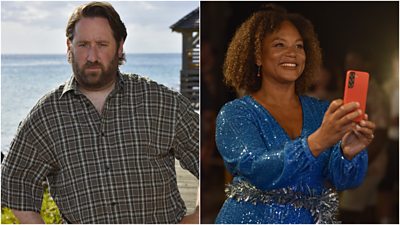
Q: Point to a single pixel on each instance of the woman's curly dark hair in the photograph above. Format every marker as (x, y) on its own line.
(240, 63)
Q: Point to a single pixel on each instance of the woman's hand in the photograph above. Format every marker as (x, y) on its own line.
(338, 121)
(357, 139)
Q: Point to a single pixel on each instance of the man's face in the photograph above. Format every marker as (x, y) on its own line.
(94, 54)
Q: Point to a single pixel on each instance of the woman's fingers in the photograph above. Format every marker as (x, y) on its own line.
(334, 106)
(367, 132)
(349, 118)
(368, 124)
(358, 134)
(349, 127)
(344, 110)
(366, 127)
(339, 120)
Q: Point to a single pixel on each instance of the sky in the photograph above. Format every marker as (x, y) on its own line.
(38, 27)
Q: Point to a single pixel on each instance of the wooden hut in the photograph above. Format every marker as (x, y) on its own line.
(188, 26)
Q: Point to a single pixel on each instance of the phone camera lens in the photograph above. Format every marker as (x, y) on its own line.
(351, 79)
(351, 83)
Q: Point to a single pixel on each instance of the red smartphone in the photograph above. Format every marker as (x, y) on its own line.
(356, 89)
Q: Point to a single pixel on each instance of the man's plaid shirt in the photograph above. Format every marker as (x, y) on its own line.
(114, 168)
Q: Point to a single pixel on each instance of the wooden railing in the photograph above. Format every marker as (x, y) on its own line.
(190, 72)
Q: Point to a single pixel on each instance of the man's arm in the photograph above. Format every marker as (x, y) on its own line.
(193, 218)
(28, 217)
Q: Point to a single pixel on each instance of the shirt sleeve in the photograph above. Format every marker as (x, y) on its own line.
(23, 171)
(186, 139)
(344, 173)
(245, 154)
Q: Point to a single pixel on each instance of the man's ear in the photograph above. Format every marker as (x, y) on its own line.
(69, 44)
(121, 48)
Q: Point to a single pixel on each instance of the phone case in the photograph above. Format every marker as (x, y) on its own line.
(356, 89)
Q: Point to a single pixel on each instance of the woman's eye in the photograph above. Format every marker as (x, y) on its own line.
(300, 46)
(278, 45)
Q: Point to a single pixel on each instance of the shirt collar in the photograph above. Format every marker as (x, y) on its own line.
(72, 86)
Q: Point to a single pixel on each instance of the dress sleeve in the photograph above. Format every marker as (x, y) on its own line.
(245, 153)
(344, 173)
(186, 140)
(24, 169)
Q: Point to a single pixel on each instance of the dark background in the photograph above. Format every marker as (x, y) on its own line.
(369, 28)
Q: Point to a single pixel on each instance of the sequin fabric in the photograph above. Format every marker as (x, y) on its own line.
(257, 150)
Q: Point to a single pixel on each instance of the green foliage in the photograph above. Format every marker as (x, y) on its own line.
(49, 212)
(7, 217)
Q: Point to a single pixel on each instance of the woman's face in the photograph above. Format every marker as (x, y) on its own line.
(283, 57)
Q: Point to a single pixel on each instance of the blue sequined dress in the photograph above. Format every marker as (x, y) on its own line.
(257, 150)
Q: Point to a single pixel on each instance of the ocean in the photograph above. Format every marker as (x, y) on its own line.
(26, 78)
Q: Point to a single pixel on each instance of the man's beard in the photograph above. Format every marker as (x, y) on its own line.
(94, 80)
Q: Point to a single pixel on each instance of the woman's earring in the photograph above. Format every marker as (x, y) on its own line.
(258, 71)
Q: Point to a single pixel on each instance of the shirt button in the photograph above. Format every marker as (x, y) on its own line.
(107, 167)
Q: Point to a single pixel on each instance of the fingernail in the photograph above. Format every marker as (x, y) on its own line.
(358, 127)
(362, 122)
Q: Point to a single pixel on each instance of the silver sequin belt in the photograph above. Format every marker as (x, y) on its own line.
(323, 207)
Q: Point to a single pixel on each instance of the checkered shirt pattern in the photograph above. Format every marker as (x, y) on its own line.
(115, 168)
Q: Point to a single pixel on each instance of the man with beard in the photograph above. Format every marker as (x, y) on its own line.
(105, 142)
